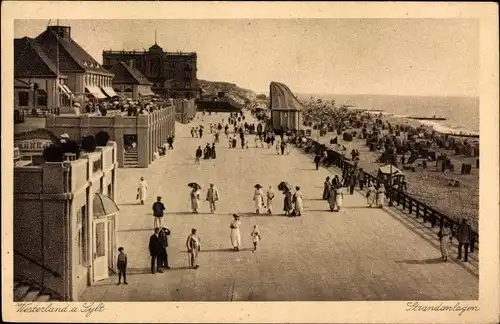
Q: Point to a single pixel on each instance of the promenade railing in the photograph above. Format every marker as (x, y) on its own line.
(401, 199)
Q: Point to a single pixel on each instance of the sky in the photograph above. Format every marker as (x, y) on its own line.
(427, 57)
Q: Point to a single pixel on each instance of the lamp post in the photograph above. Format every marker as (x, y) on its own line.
(390, 182)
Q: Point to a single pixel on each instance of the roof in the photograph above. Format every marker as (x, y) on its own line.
(82, 60)
(30, 60)
(386, 169)
(282, 98)
(20, 84)
(125, 74)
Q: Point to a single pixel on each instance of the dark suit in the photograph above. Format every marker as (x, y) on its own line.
(154, 251)
(163, 255)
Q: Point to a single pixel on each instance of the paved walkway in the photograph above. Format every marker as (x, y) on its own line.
(356, 254)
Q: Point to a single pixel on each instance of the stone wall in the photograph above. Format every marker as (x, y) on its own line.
(151, 130)
(47, 199)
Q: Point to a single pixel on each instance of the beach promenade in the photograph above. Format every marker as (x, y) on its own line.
(355, 254)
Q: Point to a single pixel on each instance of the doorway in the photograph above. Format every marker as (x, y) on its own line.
(100, 262)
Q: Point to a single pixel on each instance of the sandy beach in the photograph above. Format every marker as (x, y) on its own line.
(428, 185)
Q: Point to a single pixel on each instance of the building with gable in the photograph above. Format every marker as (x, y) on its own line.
(173, 74)
(64, 59)
(129, 82)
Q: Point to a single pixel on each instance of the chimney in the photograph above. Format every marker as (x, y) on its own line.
(63, 32)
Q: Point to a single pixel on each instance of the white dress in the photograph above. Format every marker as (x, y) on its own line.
(298, 202)
(235, 233)
(258, 199)
(339, 198)
(142, 190)
(270, 197)
(195, 200)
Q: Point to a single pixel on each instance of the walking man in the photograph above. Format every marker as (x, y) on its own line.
(158, 210)
(197, 158)
(464, 239)
(163, 255)
(154, 249)
(212, 197)
(193, 246)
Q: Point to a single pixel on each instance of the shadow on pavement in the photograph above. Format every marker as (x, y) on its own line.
(425, 261)
(225, 250)
(131, 204)
(137, 230)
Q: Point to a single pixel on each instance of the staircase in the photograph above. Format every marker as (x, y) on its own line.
(27, 291)
(130, 158)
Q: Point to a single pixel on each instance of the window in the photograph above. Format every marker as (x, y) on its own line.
(81, 235)
(42, 97)
(23, 98)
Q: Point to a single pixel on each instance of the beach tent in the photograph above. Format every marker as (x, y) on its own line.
(386, 170)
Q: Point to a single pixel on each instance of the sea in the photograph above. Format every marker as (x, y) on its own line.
(461, 113)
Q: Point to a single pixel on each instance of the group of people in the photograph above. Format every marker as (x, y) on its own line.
(235, 235)
(333, 192)
(212, 197)
(197, 131)
(208, 152)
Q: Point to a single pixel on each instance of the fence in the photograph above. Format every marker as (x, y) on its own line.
(399, 198)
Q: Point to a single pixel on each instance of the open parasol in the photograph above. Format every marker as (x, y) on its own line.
(284, 186)
(194, 185)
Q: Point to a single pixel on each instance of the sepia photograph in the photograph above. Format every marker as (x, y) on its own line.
(250, 159)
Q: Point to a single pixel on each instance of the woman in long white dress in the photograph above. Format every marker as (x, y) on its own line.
(142, 191)
(298, 202)
(270, 196)
(444, 241)
(380, 196)
(258, 199)
(278, 145)
(195, 200)
(235, 232)
(371, 195)
(339, 197)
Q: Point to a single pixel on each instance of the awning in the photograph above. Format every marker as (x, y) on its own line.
(103, 206)
(96, 92)
(63, 90)
(146, 92)
(109, 92)
(68, 90)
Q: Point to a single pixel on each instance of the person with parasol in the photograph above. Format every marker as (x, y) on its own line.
(195, 196)
(287, 202)
(235, 232)
(258, 198)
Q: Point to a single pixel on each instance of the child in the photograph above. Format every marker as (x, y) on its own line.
(255, 237)
(230, 142)
(246, 143)
(122, 266)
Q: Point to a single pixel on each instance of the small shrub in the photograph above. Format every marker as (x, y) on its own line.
(70, 146)
(89, 143)
(53, 153)
(102, 138)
